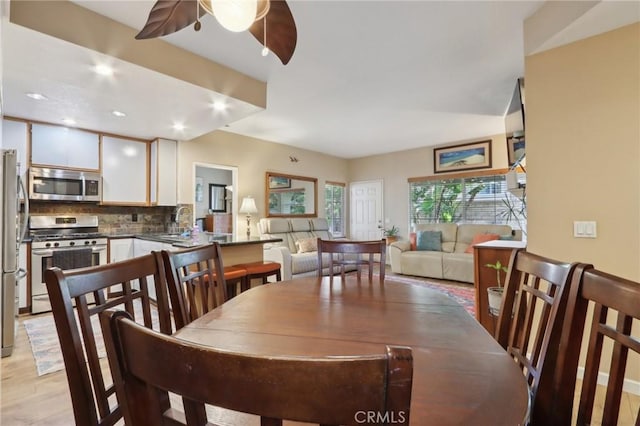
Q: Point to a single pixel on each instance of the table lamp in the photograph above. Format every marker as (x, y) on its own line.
(248, 206)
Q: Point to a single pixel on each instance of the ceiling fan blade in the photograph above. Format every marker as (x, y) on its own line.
(282, 34)
(169, 16)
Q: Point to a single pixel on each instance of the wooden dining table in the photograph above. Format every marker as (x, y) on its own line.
(461, 376)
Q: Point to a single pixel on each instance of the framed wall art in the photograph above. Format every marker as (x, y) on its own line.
(468, 156)
(279, 182)
(515, 150)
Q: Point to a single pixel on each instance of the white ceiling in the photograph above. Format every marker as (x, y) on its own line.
(367, 77)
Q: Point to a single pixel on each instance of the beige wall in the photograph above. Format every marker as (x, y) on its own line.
(394, 169)
(583, 153)
(254, 157)
(583, 150)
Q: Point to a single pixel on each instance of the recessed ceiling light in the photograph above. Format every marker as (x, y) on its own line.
(118, 113)
(178, 126)
(69, 121)
(103, 69)
(219, 106)
(37, 96)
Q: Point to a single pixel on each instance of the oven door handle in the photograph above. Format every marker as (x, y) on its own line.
(49, 252)
(42, 252)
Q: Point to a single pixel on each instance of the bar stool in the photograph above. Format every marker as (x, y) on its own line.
(261, 270)
(234, 275)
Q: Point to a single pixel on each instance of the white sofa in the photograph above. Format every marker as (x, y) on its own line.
(294, 263)
(452, 263)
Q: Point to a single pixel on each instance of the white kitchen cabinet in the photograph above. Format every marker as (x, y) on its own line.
(23, 283)
(124, 171)
(59, 146)
(15, 135)
(142, 247)
(163, 173)
(120, 249)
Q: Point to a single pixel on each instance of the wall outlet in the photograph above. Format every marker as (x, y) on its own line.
(584, 229)
(134, 217)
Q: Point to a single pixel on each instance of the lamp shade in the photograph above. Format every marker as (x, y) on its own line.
(248, 205)
(234, 15)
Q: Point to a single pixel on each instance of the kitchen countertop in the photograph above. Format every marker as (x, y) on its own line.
(201, 239)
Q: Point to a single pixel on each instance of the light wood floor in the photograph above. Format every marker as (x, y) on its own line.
(26, 399)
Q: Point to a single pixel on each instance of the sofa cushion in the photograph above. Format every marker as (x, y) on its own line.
(480, 238)
(300, 225)
(422, 263)
(275, 225)
(429, 240)
(449, 232)
(467, 231)
(306, 245)
(458, 267)
(304, 262)
(319, 224)
(412, 241)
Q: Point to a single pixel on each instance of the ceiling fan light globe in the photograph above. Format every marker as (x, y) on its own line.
(235, 15)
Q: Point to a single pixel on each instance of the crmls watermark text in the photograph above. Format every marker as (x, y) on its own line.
(377, 417)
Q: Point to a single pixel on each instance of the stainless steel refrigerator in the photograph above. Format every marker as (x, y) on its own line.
(12, 232)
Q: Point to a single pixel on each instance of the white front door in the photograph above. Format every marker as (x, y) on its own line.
(366, 210)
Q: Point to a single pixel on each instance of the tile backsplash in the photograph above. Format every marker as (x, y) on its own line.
(118, 219)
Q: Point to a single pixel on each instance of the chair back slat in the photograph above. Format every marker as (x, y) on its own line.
(530, 322)
(343, 253)
(332, 390)
(195, 278)
(616, 305)
(77, 297)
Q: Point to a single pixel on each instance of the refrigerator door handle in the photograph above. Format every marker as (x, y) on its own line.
(25, 220)
(20, 274)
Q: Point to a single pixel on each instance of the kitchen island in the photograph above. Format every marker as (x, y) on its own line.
(234, 250)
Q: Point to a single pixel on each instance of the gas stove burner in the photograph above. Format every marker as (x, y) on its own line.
(74, 236)
(64, 228)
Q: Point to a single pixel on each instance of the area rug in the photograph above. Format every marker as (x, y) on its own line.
(464, 294)
(45, 345)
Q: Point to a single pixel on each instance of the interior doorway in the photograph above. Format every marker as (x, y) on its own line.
(209, 179)
(366, 210)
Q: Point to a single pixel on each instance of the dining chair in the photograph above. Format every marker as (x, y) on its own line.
(616, 305)
(196, 281)
(92, 390)
(344, 253)
(343, 390)
(529, 326)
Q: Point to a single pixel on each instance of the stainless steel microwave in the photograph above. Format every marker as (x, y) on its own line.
(64, 185)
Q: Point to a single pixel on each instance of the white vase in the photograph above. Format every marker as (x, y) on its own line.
(495, 299)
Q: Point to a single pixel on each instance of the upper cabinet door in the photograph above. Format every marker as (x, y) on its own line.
(15, 135)
(163, 174)
(124, 171)
(63, 147)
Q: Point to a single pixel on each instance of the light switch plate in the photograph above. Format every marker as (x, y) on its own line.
(584, 229)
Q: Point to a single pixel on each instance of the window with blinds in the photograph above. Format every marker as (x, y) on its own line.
(334, 196)
(482, 199)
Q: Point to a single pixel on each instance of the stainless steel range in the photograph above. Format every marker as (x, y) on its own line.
(68, 242)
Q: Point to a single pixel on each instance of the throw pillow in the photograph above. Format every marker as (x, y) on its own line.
(481, 238)
(306, 245)
(412, 240)
(429, 240)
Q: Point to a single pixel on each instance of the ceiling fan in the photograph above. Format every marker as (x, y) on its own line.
(272, 21)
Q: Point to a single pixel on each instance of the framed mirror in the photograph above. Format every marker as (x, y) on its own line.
(217, 198)
(291, 196)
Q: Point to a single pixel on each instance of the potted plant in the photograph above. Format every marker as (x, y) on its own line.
(391, 234)
(495, 293)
